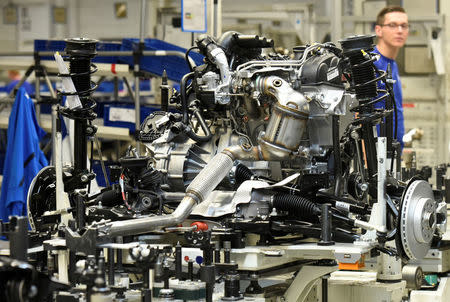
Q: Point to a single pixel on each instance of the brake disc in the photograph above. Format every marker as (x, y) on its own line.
(417, 219)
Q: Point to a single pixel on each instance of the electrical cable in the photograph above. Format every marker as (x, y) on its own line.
(183, 90)
(186, 56)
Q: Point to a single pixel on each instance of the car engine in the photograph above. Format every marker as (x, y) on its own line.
(281, 159)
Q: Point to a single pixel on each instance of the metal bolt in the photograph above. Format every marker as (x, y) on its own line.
(145, 252)
(33, 291)
(256, 95)
(277, 83)
(363, 187)
(135, 252)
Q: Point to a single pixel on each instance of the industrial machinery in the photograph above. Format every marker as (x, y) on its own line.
(269, 166)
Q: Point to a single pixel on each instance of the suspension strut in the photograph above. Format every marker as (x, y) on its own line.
(80, 52)
(364, 82)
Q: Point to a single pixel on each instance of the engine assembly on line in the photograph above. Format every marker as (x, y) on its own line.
(280, 159)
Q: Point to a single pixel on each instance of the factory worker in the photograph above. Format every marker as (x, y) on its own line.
(392, 30)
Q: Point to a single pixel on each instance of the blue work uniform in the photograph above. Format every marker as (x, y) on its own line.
(28, 87)
(3, 138)
(382, 64)
(24, 159)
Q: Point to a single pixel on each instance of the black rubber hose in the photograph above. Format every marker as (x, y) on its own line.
(190, 133)
(242, 174)
(295, 205)
(110, 197)
(205, 128)
(199, 139)
(183, 85)
(186, 57)
(164, 92)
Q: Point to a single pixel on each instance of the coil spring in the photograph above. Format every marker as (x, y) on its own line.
(81, 69)
(363, 75)
(295, 205)
(365, 80)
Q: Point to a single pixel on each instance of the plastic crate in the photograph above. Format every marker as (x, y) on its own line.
(60, 45)
(126, 115)
(108, 46)
(49, 45)
(175, 67)
(108, 86)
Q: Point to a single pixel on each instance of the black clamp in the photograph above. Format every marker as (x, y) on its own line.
(198, 238)
(38, 68)
(138, 52)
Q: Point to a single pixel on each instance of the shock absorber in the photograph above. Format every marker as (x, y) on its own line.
(356, 49)
(364, 81)
(80, 52)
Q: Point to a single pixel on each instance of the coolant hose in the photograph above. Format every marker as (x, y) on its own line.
(198, 138)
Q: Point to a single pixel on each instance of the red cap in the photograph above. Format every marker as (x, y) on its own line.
(201, 226)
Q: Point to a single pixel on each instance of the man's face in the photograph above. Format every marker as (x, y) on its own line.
(394, 30)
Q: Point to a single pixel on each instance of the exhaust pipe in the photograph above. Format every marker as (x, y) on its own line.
(281, 141)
